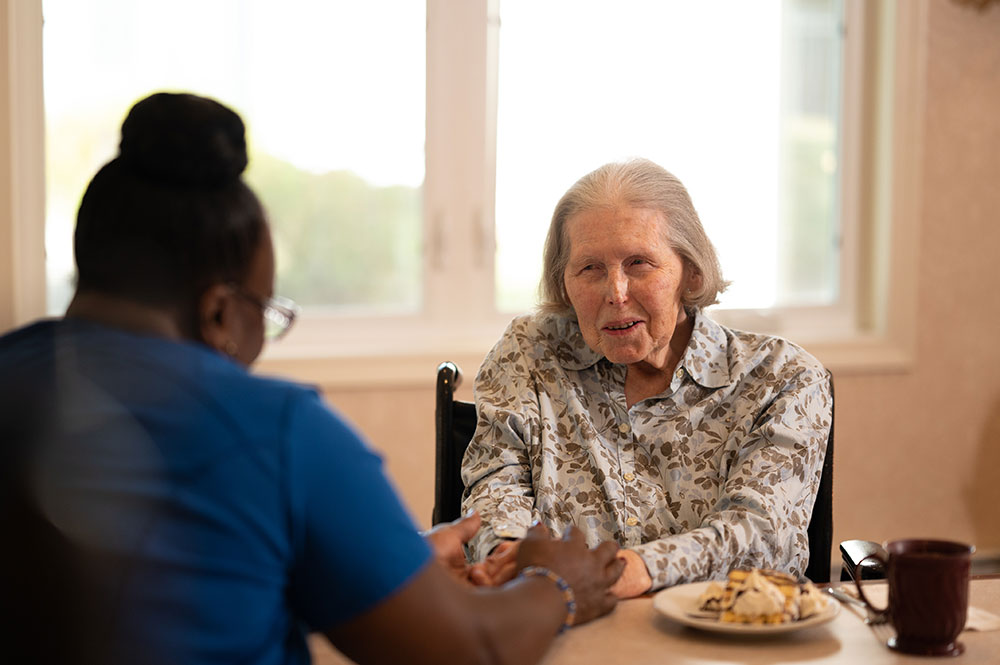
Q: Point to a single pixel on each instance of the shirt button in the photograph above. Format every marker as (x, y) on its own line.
(631, 521)
(679, 373)
(630, 477)
(624, 428)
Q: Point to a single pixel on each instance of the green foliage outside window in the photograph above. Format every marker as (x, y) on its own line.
(340, 241)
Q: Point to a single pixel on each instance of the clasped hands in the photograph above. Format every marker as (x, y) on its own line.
(448, 540)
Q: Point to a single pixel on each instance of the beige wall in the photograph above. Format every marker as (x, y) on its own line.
(917, 453)
(925, 446)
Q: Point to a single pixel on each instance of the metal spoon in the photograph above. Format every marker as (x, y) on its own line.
(870, 617)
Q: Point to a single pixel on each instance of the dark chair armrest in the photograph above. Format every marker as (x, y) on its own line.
(853, 551)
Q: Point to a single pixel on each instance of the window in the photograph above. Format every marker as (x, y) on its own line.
(333, 97)
(442, 279)
(740, 100)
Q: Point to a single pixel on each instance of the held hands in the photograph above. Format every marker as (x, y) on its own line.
(448, 542)
(598, 577)
(589, 572)
(499, 567)
(635, 579)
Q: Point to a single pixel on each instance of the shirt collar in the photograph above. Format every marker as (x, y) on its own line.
(706, 359)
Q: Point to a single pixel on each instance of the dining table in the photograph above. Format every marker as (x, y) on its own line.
(637, 633)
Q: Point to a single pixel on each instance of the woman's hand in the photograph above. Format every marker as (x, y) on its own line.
(499, 567)
(635, 579)
(448, 542)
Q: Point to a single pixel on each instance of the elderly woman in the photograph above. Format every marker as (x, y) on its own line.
(622, 409)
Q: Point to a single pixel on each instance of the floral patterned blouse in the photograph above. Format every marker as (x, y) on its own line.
(719, 471)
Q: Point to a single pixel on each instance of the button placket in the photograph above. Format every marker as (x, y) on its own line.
(630, 493)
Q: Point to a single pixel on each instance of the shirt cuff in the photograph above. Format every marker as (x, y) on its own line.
(489, 536)
(656, 556)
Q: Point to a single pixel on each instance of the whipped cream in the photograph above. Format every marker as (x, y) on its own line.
(811, 601)
(712, 597)
(758, 598)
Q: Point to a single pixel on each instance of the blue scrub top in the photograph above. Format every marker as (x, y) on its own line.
(240, 512)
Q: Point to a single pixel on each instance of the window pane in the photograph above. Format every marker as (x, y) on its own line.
(809, 180)
(333, 98)
(738, 99)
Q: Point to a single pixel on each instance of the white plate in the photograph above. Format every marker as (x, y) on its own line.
(677, 603)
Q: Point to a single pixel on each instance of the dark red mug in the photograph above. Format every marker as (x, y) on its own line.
(928, 595)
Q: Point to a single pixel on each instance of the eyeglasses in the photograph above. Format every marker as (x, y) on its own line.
(279, 313)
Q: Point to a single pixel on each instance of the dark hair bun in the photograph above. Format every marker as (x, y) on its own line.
(183, 139)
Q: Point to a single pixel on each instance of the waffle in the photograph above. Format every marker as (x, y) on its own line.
(757, 596)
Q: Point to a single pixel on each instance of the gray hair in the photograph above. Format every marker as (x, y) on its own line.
(636, 183)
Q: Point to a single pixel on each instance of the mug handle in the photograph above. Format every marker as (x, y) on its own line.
(861, 592)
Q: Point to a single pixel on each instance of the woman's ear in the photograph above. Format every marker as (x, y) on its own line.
(696, 280)
(218, 320)
(693, 279)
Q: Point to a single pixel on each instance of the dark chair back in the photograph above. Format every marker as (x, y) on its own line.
(820, 529)
(455, 423)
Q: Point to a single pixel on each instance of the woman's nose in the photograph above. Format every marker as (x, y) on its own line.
(617, 288)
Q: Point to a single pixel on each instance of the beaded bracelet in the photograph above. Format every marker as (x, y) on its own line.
(567, 591)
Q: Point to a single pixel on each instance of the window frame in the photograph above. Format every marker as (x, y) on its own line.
(871, 330)
(22, 166)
